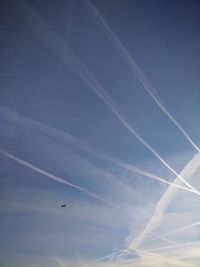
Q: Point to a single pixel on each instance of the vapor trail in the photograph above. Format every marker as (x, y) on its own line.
(70, 59)
(174, 231)
(53, 177)
(162, 204)
(126, 56)
(175, 246)
(164, 239)
(7, 114)
(181, 229)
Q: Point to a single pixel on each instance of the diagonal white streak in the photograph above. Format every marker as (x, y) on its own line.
(53, 177)
(175, 246)
(126, 56)
(181, 229)
(164, 239)
(45, 34)
(7, 114)
(162, 236)
(174, 231)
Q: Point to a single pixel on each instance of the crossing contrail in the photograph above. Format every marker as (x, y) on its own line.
(162, 204)
(53, 177)
(15, 117)
(126, 56)
(42, 30)
(132, 168)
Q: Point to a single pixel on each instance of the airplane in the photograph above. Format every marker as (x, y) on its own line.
(63, 206)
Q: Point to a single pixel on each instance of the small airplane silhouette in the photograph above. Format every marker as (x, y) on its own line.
(63, 206)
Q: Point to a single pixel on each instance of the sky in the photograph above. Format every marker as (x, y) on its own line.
(99, 110)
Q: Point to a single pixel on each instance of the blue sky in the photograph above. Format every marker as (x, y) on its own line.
(99, 109)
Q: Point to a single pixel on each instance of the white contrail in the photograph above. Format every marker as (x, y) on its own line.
(164, 201)
(66, 55)
(164, 239)
(126, 56)
(181, 229)
(174, 231)
(7, 114)
(53, 177)
(175, 246)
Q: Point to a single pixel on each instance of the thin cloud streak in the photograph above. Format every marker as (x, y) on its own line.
(175, 246)
(126, 56)
(164, 239)
(54, 177)
(7, 114)
(42, 30)
(174, 231)
(181, 229)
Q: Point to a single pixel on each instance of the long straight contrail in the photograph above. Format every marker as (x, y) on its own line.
(7, 114)
(164, 239)
(175, 246)
(53, 177)
(181, 229)
(126, 56)
(45, 34)
(175, 231)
